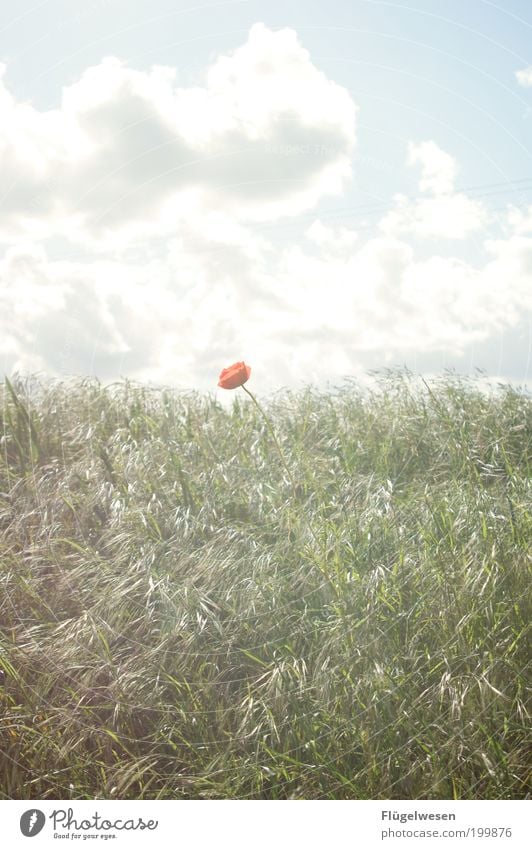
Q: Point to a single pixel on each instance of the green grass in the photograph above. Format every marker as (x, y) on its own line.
(181, 618)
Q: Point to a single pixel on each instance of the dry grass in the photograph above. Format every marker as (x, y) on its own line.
(178, 621)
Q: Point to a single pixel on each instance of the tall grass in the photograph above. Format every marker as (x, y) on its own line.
(179, 618)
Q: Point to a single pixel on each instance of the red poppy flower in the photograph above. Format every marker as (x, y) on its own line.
(234, 376)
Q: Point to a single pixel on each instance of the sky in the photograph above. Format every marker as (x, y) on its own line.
(319, 189)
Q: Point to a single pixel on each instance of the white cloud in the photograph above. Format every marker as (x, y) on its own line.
(266, 135)
(438, 168)
(331, 238)
(386, 298)
(68, 317)
(520, 220)
(164, 191)
(453, 216)
(297, 313)
(524, 77)
(444, 213)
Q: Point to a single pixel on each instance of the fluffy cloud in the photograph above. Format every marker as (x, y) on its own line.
(169, 269)
(265, 135)
(524, 77)
(300, 312)
(73, 317)
(444, 212)
(331, 239)
(438, 168)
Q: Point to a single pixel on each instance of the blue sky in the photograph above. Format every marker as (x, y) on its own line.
(318, 188)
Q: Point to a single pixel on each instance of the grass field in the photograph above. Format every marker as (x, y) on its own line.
(182, 617)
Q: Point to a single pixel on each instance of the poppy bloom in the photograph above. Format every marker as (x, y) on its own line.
(234, 376)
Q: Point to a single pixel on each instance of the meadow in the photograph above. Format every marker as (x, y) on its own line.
(183, 615)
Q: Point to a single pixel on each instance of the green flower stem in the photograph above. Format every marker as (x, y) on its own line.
(274, 437)
(281, 455)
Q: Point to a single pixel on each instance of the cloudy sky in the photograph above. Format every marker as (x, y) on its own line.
(318, 188)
